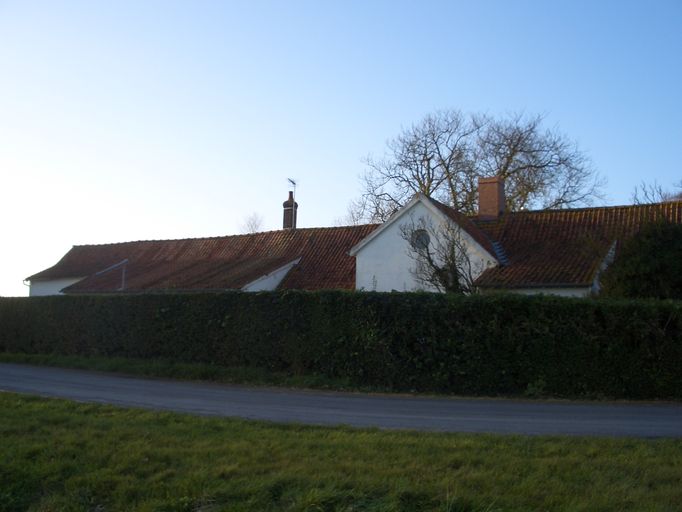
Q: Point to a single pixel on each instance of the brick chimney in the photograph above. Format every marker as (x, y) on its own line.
(490, 197)
(290, 209)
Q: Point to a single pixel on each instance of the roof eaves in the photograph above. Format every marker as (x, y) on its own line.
(362, 243)
(477, 235)
(72, 286)
(502, 286)
(286, 267)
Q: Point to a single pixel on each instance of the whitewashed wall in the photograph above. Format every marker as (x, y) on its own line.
(384, 263)
(270, 281)
(51, 287)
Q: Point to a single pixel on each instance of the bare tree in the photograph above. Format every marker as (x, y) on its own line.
(442, 261)
(647, 193)
(430, 157)
(252, 223)
(354, 216)
(444, 154)
(541, 168)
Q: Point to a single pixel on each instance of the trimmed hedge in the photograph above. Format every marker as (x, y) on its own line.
(478, 345)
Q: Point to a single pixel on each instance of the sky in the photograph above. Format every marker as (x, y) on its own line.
(134, 120)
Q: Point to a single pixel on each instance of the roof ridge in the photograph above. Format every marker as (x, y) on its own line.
(582, 209)
(545, 210)
(467, 224)
(220, 237)
(611, 206)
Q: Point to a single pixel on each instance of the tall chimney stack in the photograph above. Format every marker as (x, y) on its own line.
(491, 198)
(290, 209)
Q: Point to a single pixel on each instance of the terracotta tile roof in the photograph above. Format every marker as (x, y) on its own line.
(547, 248)
(563, 247)
(227, 262)
(467, 225)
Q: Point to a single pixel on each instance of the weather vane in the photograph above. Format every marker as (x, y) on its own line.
(293, 184)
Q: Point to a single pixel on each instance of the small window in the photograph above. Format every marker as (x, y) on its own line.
(420, 240)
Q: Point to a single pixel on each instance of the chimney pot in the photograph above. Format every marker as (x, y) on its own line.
(290, 212)
(491, 199)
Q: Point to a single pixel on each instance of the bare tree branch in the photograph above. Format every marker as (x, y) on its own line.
(252, 223)
(442, 261)
(355, 214)
(445, 154)
(647, 193)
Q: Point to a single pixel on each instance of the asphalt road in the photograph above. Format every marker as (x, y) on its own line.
(356, 409)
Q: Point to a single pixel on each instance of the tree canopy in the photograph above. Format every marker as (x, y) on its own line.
(647, 193)
(649, 265)
(445, 154)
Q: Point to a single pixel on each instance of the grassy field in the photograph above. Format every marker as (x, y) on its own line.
(61, 456)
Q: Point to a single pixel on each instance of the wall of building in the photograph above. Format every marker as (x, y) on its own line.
(386, 262)
(51, 286)
(270, 282)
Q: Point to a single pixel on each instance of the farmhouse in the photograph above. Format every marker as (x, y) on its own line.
(559, 252)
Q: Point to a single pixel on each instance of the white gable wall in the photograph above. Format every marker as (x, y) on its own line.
(50, 286)
(385, 262)
(270, 282)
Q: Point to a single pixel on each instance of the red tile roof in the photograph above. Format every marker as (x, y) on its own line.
(546, 248)
(563, 247)
(228, 262)
(467, 225)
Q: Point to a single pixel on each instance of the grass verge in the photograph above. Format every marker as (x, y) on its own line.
(185, 371)
(66, 456)
(164, 368)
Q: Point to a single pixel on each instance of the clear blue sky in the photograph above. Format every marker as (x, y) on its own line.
(139, 120)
